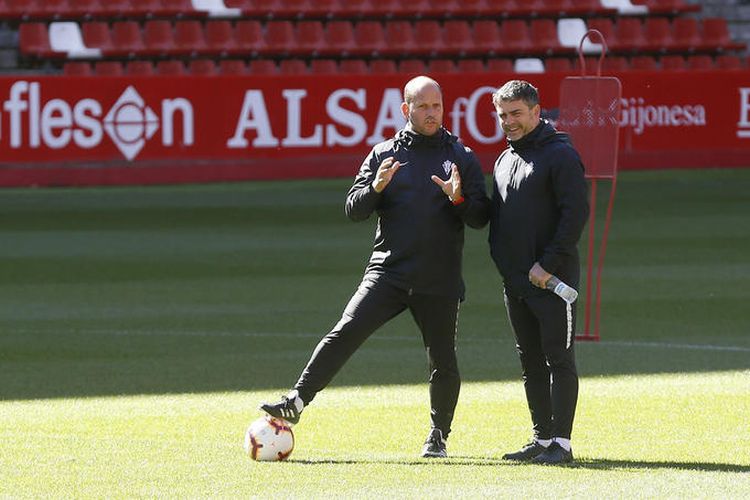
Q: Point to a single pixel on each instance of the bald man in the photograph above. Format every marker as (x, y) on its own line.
(424, 186)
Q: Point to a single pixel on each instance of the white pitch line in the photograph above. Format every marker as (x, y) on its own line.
(185, 333)
(669, 345)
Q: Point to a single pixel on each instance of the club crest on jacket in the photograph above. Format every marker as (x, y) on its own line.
(447, 166)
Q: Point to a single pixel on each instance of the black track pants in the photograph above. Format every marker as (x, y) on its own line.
(372, 305)
(544, 327)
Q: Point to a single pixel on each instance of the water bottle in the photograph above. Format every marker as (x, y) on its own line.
(565, 292)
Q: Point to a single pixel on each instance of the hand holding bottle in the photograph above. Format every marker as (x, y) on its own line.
(542, 279)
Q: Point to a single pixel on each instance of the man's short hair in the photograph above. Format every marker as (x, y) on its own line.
(515, 90)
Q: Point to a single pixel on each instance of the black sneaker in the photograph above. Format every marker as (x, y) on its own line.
(284, 409)
(434, 446)
(555, 454)
(530, 451)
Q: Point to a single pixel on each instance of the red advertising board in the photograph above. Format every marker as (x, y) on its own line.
(66, 130)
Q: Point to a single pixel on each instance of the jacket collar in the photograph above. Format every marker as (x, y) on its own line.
(408, 138)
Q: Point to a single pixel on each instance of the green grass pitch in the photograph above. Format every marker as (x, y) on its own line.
(141, 327)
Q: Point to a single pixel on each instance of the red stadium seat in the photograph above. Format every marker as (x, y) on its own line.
(700, 62)
(353, 8)
(324, 9)
(139, 68)
(279, 37)
(369, 36)
(324, 67)
(471, 8)
(716, 34)
(51, 9)
(673, 62)
(470, 66)
(170, 67)
(189, 38)
(384, 8)
(629, 31)
(20, 9)
(220, 38)
(96, 34)
(232, 67)
(606, 27)
(614, 63)
(670, 7)
(114, 8)
(263, 67)
(441, 66)
(646, 63)
(458, 37)
(383, 66)
(33, 40)
(292, 8)
(77, 68)
(108, 68)
(415, 9)
(126, 38)
(544, 35)
(256, 8)
(728, 62)
(685, 34)
(556, 8)
(202, 67)
(340, 38)
(558, 64)
(310, 37)
(514, 37)
(139, 8)
(412, 67)
(658, 34)
(293, 67)
(354, 66)
(486, 36)
(399, 37)
(428, 36)
(249, 37)
(84, 8)
(175, 8)
(157, 37)
(586, 8)
(500, 65)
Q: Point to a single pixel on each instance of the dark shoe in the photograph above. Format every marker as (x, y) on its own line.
(555, 454)
(434, 446)
(284, 409)
(528, 452)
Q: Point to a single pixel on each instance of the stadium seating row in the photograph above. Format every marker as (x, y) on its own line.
(659, 34)
(326, 9)
(395, 38)
(279, 38)
(387, 66)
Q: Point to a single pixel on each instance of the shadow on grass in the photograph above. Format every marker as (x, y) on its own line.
(60, 363)
(594, 464)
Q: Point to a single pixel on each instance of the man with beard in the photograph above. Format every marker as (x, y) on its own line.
(424, 186)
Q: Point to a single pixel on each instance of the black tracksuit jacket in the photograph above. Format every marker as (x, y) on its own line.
(420, 234)
(538, 211)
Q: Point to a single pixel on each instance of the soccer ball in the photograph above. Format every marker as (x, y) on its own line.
(269, 439)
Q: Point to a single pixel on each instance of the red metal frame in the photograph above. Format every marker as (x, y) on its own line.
(588, 334)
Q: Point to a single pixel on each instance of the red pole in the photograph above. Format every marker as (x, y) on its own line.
(602, 251)
(590, 261)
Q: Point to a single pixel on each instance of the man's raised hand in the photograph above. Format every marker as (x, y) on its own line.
(451, 187)
(385, 173)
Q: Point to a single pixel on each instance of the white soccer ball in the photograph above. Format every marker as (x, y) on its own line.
(269, 439)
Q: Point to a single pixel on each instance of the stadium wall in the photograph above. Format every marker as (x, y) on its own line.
(146, 130)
